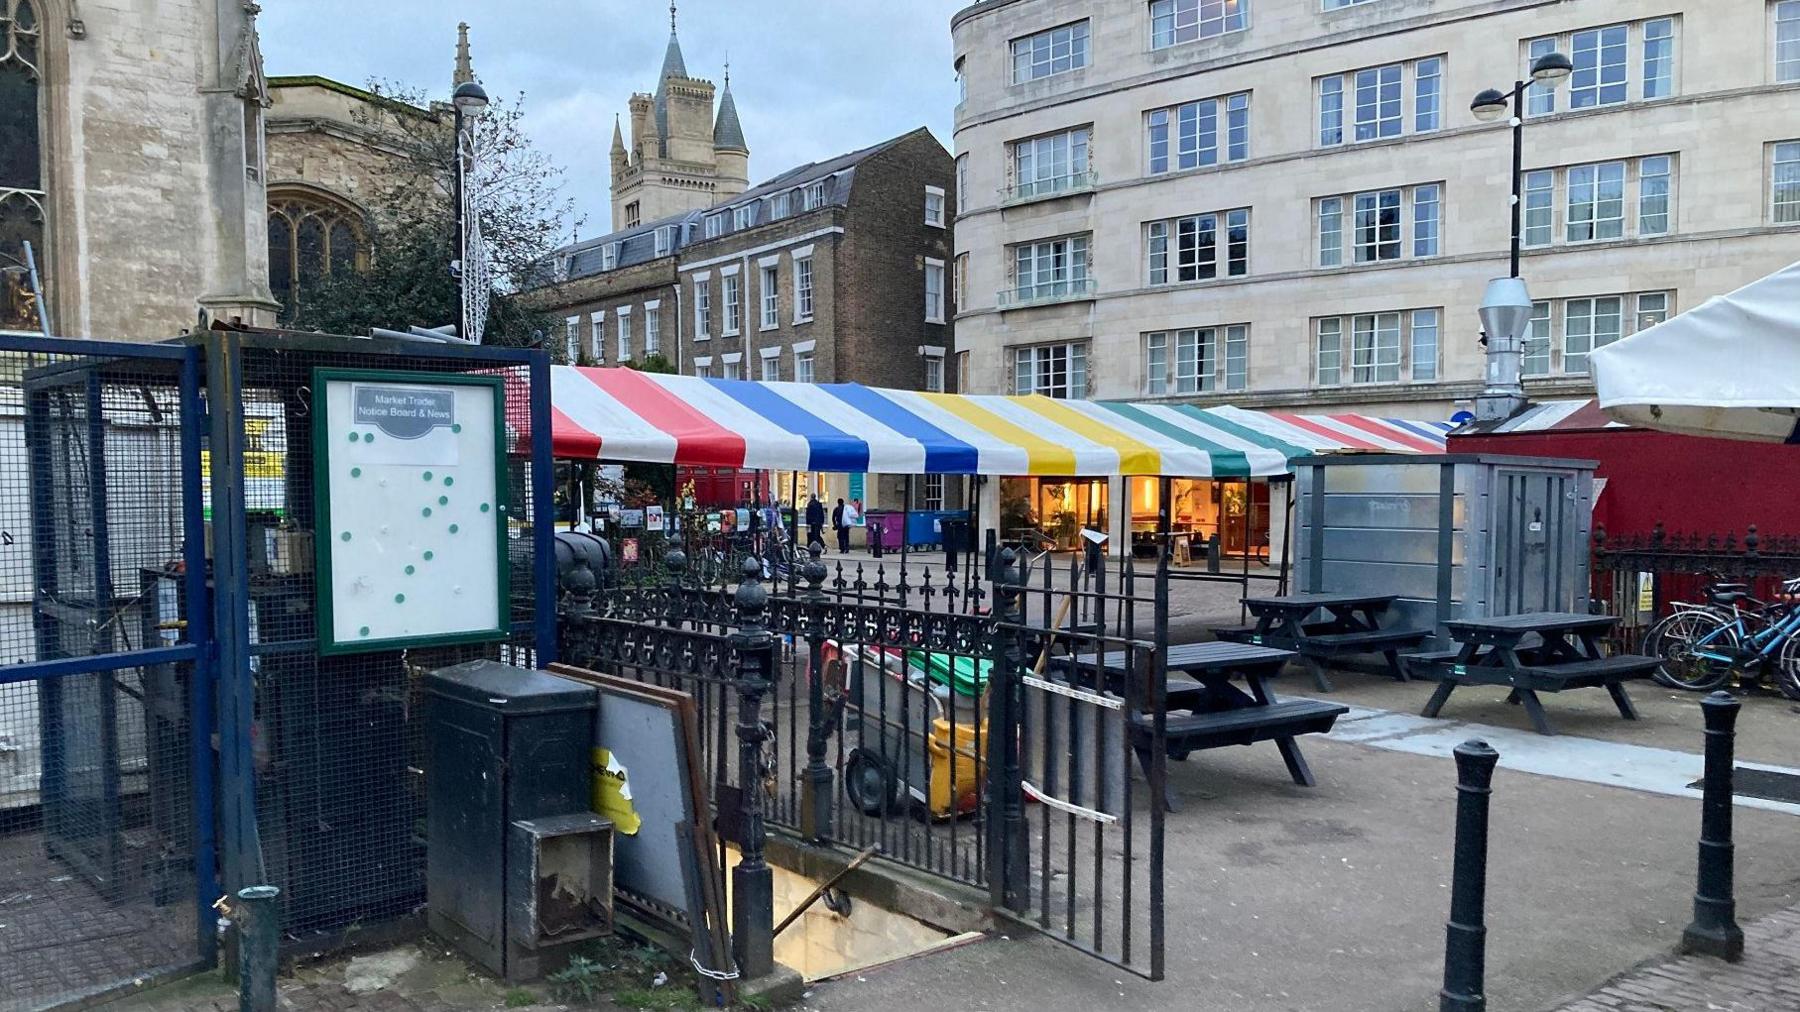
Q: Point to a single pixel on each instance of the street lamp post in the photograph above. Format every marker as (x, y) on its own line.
(1491, 104)
(468, 102)
(1506, 307)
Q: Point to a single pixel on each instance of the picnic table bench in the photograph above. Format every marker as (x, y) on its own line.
(1531, 653)
(1216, 713)
(1352, 625)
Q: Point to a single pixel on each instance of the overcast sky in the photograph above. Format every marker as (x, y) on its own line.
(812, 78)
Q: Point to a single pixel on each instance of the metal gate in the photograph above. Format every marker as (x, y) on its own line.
(959, 724)
(106, 856)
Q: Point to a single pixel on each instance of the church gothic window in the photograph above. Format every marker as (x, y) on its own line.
(21, 163)
(310, 238)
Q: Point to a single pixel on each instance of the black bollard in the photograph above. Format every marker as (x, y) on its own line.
(1465, 935)
(258, 921)
(1715, 931)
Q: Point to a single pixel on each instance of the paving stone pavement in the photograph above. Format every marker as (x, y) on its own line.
(1766, 981)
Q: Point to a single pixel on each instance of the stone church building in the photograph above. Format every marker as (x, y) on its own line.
(158, 173)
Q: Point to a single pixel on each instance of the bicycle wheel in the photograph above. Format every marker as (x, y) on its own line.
(1787, 670)
(1676, 640)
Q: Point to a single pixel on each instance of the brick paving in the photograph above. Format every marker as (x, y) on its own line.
(1766, 981)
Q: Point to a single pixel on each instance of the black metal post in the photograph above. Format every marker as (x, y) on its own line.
(1465, 936)
(815, 809)
(258, 921)
(752, 881)
(1009, 854)
(1518, 162)
(1715, 931)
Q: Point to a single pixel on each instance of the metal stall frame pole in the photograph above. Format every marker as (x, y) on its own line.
(240, 845)
(1287, 536)
(201, 682)
(1156, 695)
(906, 494)
(543, 513)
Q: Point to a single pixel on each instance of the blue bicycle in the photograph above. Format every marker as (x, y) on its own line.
(1703, 645)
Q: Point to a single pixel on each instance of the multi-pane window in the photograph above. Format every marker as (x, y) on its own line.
(609, 256)
(931, 490)
(1535, 358)
(814, 196)
(1653, 194)
(1787, 40)
(732, 291)
(1053, 268)
(1599, 202)
(1194, 361)
(597, 336)
(1376, 228)
(741, 216)
(1054, 370)
(572, 340)
(771, 369)
(1563, 332)
(803, 367)
(778, 206)
(1373, 101)
(1189, 136)
(1428, 95)
(1376, 347)
(715, 225)
(934, 291)
(934, 373)
(1424, 350)
(624, 317)
(652, 328)
(803, 289)
(1056, 51)
(1050, 164)
(703, 369)
(1784, 183)
(1540, 207)
(934, 206)
(732, 368)
(1177, 21)
(771, 297)
(962, 182)
(665, 240)
(1199, 247)
(1603, 66)
(632, 214)
(702, 309)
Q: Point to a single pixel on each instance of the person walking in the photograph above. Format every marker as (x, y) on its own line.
(840, 521)
(815, 522)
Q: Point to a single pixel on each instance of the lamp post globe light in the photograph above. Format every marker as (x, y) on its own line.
(1506, 307)
(468, 103)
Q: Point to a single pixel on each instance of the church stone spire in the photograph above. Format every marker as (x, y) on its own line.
(465, 69)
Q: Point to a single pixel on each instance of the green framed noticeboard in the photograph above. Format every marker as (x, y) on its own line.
(409, 487)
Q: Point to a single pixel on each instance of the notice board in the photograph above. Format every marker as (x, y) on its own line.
(409, 483)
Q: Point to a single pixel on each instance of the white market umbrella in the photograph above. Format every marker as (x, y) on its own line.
(1729, 367)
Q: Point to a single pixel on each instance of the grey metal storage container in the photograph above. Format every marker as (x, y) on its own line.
(1456, 535)
(503, 745)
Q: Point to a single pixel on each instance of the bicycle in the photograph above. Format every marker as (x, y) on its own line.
(1703, 645)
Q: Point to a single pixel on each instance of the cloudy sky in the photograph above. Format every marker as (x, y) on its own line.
(812, 78)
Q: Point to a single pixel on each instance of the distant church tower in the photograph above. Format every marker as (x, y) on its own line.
(681, 157)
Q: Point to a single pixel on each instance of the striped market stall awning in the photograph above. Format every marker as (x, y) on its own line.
(624, 415)
(1551, 416)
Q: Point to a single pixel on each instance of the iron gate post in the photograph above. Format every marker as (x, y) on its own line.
(1009, 853)
(752, 881)
(1715, 931)
(1465, 936)
(815, 809)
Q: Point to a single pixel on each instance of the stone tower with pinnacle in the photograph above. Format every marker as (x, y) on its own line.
(682, 155)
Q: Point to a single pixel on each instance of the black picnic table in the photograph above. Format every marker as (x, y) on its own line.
(1216, 712)
(1531, 653)
(1352, 625)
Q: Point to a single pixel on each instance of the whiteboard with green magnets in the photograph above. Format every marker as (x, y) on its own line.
(411, 529)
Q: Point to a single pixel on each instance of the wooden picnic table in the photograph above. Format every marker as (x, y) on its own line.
(1352, 625)
(1531, 653)
(1215, 712)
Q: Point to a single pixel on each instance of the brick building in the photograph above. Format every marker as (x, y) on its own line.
(833, 272)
